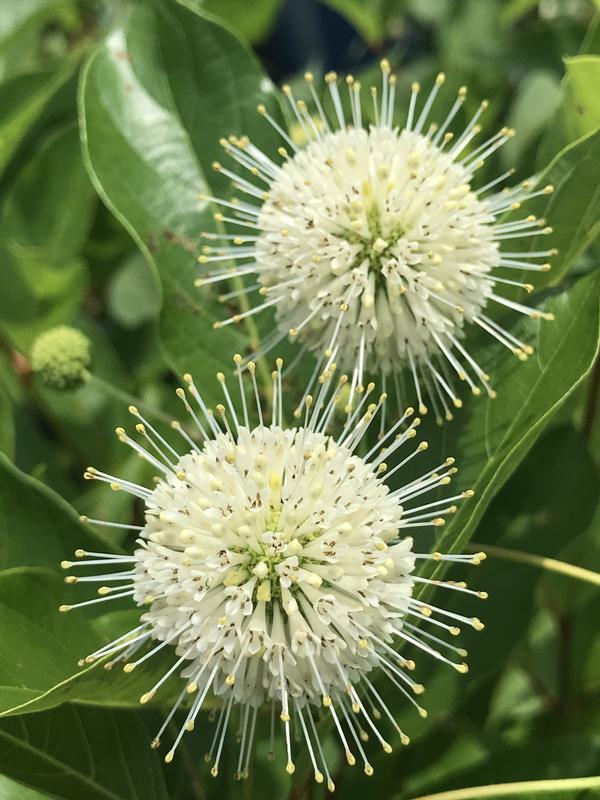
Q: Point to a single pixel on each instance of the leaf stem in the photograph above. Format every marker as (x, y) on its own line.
(552, 564)
(517, 789)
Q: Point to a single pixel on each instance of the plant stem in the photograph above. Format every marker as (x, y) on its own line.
(552, 564)
(519, 789)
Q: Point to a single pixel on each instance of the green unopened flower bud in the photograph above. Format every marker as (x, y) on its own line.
(61, 356)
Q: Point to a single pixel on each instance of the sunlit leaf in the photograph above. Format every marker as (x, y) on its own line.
(155, 98)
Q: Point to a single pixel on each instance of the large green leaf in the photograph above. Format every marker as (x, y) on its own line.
(578, 113)
(573, 208)
(82, 753)
(37, 527)
(445, 750)
(154, 100)
(494, 435)
(526, 517)
(42, 647)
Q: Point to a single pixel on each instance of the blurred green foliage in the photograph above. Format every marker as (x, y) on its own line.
(110, 118)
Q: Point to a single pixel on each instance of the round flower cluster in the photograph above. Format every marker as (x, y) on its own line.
(61, 357)
(372, 245)
(275, 562)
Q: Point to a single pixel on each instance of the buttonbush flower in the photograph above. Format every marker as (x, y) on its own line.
(278, 566)
(372, 245)
(61, 357)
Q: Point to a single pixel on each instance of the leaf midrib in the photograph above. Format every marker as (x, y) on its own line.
(495, 462)
(106, 794)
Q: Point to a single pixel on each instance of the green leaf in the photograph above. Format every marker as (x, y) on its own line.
(368, 18)
(11, 790)
(154, 100)
(44, 226)
(78, 753)
(578, 113)
(22, 100)
(494, 435)
(42, 647)
(37, 527)
(251, 21)
(582, 102)
(572, 210)
(52, 202)
(524, 517)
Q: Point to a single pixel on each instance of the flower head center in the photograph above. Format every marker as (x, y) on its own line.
(378, 240)
(274, 558)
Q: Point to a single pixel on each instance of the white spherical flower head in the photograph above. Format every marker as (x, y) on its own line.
(275, 562)
(372, 244)
(290, 513)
